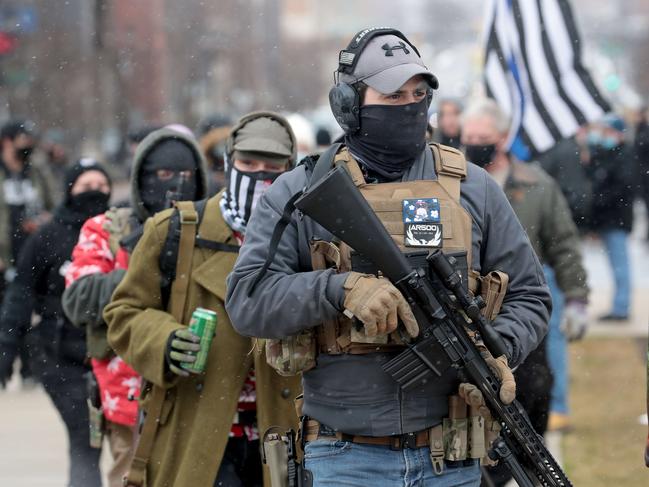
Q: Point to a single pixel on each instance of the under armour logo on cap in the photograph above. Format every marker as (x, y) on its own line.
(388, 50)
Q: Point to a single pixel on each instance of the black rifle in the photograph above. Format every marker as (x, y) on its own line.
(336, 204)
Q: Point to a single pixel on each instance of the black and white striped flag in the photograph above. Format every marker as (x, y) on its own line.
(533, 69)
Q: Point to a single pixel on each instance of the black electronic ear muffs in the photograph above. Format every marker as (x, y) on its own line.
(229, 143)
(344, 98)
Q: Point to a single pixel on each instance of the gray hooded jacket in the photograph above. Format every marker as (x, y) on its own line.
(351, 393)
(84, 300)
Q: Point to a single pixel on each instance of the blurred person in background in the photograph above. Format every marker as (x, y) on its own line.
(304, 133)
(611, 171)
(563, 163)
(168, 166)
(322, 139)
(641, 146)
(212, 135)
(26, 197)
(60, 354)
(56, 155)
(448, 131)
(545, 216)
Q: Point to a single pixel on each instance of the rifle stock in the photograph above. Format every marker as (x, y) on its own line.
(336, 204)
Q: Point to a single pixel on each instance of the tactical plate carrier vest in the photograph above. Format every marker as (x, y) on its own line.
(390, 201)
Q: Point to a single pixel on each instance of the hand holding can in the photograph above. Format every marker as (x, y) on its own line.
(203, 325)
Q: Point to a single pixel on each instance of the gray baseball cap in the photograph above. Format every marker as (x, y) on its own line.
(386, 63)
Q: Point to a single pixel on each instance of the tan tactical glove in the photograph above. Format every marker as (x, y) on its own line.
(473, 396)
(378, 305)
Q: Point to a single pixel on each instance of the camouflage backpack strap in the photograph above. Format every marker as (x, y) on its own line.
(118, 226)
(178, 298)
(451, 168)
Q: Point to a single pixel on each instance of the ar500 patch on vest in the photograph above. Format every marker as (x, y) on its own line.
(421, 219)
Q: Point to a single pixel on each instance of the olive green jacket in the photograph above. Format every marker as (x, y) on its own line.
(196, 420)
(543, 211)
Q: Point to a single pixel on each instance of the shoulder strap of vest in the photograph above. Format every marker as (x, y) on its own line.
(352, 166)
(188, 220)
(451, 161)
(324, 164)
(321, 168)
(451, 168)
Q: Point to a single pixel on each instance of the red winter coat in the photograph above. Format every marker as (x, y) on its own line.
(119, 384)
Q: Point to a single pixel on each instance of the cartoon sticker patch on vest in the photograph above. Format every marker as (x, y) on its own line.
(421, 210)
(421, 219)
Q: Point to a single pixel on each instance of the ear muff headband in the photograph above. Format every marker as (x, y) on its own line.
(348, 57)
(229, 144)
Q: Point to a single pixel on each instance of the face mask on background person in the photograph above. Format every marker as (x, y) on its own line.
(480, 154)
(594, 138)
(243, 190)
(89, 203)
(609, 143)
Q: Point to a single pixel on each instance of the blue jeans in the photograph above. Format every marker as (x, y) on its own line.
(615, 242)
(556, 347)
(342, 463)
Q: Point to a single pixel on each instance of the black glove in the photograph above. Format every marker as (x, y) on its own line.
(182, 347)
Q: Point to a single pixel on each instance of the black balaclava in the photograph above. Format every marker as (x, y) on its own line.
(480, 154)
(390, 137)
(173, 155)
(76, 209)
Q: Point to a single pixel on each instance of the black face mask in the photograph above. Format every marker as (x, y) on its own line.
(158, 194)
(88, 203)
(168, 155)
(390, 138)
(24, 153)
(480, 155)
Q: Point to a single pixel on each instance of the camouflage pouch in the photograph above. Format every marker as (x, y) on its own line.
(492, 287)
(492, 431)
(476, 434)
(96, 425)
(455, 430)
(292, 355)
